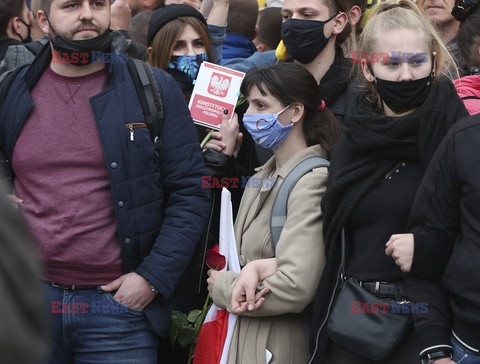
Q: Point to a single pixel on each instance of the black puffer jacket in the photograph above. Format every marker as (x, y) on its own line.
(447, 238)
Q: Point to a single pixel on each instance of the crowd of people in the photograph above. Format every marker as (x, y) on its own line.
(105, 218)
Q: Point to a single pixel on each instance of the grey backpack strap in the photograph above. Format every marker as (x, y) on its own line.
(279, 209)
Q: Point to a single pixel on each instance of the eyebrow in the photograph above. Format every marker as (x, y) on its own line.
(257, 101)
(306, 8)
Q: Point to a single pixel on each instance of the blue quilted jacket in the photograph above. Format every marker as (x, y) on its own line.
(160, 207)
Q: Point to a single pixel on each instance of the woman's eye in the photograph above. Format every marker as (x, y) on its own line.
(198, 44)
(286, 17)
(178, 45)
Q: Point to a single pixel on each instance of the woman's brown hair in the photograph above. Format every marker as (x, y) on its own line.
(166, 38)
(291, 83)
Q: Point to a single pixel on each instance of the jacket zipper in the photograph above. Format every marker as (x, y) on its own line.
(390, 172)
(132, 126)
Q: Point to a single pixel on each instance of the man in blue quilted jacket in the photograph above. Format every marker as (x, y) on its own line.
(115, 220)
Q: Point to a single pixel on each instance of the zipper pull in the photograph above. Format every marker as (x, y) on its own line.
(131, 133)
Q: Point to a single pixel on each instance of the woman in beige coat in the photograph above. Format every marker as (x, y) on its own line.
(287, 115)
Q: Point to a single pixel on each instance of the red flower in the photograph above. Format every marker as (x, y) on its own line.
(215, 260)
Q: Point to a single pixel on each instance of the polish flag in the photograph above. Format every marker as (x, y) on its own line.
(216, 334)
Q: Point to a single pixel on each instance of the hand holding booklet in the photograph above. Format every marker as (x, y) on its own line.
(216, 88)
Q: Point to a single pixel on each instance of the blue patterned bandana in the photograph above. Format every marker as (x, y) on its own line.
(189, 65)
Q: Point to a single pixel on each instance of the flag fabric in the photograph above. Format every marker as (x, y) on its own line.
(217, 330)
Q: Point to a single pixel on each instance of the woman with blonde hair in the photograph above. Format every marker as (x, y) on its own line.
(392, 131)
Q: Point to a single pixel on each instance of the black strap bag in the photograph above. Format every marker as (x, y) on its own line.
(363, 322)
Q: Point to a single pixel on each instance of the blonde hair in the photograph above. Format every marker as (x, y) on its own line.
(403, 14)
(167, 36)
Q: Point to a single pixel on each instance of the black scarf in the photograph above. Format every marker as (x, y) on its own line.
(371, 145)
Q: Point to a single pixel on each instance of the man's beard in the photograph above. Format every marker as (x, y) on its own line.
(71, 33)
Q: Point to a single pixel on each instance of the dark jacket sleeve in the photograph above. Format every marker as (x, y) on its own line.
(187, 204)
(435, 217)
(220, 164)
(23, 328)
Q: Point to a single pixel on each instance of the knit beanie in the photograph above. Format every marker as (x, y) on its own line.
(163, 15)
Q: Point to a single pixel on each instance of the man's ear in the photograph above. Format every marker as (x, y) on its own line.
(366, 70)
(43, 21)
(261, 47)
(15, 25)
(354, 14)
(340, 22)
(149, 54)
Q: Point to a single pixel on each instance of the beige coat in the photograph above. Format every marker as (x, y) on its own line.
(278, 325)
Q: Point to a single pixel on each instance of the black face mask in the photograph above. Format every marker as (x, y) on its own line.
(28, 38)
(304, 39)
(71, 49)
(403, 96)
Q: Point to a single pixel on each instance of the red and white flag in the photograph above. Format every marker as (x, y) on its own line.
(216, 334)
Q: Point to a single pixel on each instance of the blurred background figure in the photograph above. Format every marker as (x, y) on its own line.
(15, 23)
(37, 33)
(23, 336)
(268, 27)
(269, 24)
(468, 39)
(137, 6)
(241, 30)
(440, 14)
(139, 27)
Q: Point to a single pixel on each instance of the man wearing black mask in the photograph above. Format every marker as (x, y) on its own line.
(15, 23)
(312, 32)
(115, 219)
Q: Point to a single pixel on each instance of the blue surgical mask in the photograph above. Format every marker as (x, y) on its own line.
(266, 130)
(189, 65)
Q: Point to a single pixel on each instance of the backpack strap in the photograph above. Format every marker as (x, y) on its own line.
(149, 96)
(279, 209)
(34, 47)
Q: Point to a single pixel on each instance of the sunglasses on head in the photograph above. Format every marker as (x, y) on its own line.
(463, 8)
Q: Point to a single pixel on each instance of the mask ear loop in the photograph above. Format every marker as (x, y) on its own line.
(285, 108)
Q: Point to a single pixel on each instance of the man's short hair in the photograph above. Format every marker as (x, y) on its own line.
(269, 27)
(9, 9)
(242, 17)
(139, 26)
(45, 6)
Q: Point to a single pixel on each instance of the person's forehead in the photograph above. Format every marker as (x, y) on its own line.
(296, 5)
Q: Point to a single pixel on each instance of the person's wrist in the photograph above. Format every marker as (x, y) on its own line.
(436, 356)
